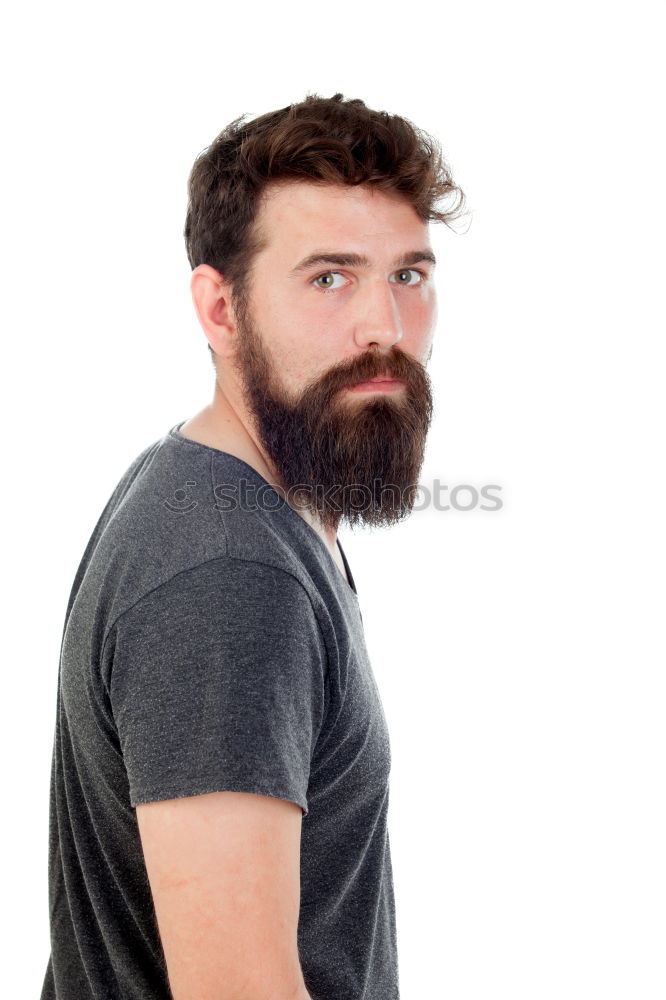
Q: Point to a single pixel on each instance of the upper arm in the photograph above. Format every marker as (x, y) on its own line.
(217, 683)
(224, 871)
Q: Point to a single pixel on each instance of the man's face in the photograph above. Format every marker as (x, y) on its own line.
(341, 293)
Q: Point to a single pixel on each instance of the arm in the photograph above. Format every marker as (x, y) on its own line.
(224, 871)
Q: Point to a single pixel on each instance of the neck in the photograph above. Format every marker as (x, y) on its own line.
(225, 424)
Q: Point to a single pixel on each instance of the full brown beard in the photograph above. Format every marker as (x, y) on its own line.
(355, 460)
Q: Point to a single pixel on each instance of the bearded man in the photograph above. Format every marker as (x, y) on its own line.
(219, 792)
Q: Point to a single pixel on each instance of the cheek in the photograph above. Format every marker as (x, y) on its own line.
(419, 318)
(284, 330)
(313, 335)
(427, 301)
(300, 350)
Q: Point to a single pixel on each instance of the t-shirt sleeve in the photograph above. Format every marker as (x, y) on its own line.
(218, 683)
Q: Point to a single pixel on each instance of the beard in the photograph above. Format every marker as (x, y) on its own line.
(345, 457)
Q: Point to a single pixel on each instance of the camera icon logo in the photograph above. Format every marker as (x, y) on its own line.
(181, 502)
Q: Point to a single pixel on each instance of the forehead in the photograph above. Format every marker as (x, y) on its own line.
(297, 217)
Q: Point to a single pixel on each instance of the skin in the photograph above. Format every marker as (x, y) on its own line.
(224, 871)
(308, 323)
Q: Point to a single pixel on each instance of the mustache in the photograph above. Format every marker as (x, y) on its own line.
(370, 365)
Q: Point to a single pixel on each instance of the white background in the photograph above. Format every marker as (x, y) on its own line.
(519, 653)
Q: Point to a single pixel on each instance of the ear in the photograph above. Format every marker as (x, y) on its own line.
(211, 296)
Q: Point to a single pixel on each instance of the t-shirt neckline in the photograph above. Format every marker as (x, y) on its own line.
(174, 434)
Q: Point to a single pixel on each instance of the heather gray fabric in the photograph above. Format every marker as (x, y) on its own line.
(209, 646)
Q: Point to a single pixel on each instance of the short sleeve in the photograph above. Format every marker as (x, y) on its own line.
(218, 683)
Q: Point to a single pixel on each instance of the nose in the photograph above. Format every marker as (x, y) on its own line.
(378, 318)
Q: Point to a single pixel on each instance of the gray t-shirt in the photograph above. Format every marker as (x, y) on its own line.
(211, 643)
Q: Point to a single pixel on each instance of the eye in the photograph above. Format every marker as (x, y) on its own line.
(327, 280)
(405, 274)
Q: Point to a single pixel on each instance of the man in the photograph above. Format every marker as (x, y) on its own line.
(221, 763)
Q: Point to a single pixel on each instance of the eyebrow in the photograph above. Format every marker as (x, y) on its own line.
(339, 259)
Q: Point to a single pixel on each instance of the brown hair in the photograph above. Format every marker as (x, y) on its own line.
(331, 140)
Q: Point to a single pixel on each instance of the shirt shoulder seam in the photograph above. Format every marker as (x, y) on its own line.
(205, 562)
